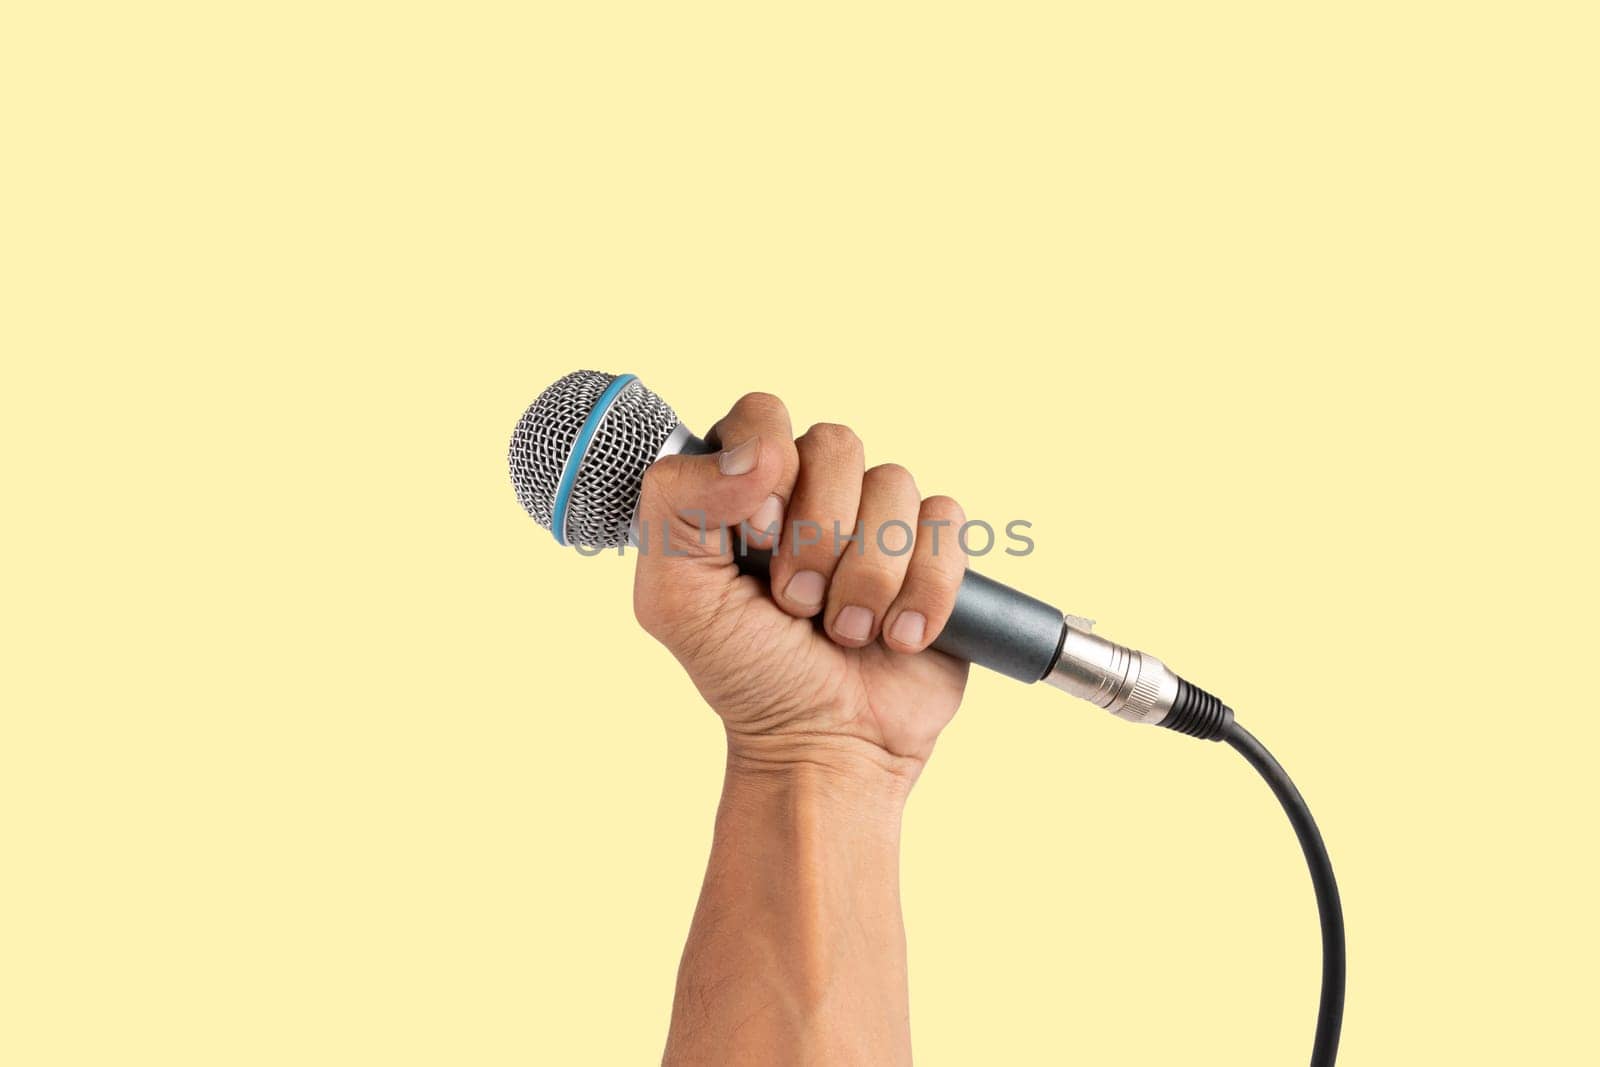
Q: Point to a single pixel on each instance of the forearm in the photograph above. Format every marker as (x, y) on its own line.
(797, 949)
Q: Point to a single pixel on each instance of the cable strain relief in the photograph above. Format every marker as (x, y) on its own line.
(1198, 714)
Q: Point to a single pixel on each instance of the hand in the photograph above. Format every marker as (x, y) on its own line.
(863, 683)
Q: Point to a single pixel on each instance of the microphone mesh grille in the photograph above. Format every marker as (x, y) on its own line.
(605, 492)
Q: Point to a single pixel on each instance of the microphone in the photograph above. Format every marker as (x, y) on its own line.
(578, 457)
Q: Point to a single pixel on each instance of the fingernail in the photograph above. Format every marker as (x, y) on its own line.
(909, 628)
(739, 460)
(767, 518)
(854, 623)
(805, 589)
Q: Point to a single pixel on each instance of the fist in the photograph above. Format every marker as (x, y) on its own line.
(828, 656)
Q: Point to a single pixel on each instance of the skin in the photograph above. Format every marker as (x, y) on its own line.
(831, 704)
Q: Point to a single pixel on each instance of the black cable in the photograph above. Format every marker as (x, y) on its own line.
(1199, 714)
(1330, 1011)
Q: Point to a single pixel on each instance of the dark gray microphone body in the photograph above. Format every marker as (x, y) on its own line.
(577, 460)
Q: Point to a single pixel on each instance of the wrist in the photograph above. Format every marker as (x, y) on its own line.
(866, 776)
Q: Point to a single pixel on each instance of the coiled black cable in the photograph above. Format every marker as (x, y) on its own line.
(1330, 1010)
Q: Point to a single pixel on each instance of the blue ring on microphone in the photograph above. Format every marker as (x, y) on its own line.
(569, 473)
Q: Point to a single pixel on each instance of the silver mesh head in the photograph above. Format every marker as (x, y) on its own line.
(605, 490)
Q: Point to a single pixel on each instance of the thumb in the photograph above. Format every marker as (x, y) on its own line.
(691, 509)
(688, 525)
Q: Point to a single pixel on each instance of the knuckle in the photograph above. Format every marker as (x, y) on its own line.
(932, 584)
(762, 403)
(870, 581)
(940, 556)
(935, 601)
(656, 474)
(834, 438)
(943, 507)
(891, 475)
(805, 540)
(662, 488)
(655, 485)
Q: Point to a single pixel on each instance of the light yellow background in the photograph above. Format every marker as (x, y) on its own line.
(1277, 321)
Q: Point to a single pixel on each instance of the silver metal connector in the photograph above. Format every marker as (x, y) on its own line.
(1130, 684)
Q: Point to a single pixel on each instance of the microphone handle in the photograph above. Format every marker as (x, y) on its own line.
(992, 624)
(1006, 630)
